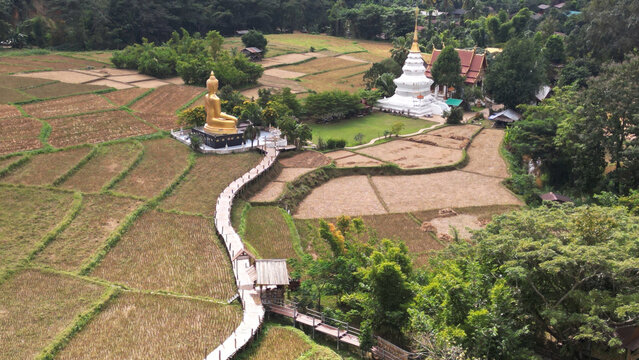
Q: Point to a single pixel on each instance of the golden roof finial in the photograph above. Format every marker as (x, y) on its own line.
(415, 47)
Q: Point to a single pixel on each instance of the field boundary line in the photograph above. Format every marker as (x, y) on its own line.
(138, 98)
(119, 177)
(14, 165)
(37, 100)
(295, 235)
(64, 177)
(190, 102)
(80, 321)
(68, 218)
(377, 193)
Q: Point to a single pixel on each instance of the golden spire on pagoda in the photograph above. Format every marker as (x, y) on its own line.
(415, 47)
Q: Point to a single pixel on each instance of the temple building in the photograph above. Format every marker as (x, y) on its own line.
(473, 65)
(413, 94)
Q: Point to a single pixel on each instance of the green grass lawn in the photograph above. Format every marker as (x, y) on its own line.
(371, 126)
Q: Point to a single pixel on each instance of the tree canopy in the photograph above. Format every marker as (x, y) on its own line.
(447, 68)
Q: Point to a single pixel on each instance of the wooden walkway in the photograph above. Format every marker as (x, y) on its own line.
(341, 331)
(250, 298)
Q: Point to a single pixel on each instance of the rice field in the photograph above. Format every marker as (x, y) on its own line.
(11, 96)
(278, 343)
(26, 215)
(483, 154)
(163, 160)
(67, 106)
(62, 89)
(348, 79)
(8, 161)
(413, 155)
(166, 99)
(44, 169)
(96, 128)
(209, 177)
(139, 326)
(268, 233)
(19, 134)
(99, 215)
(109, 161)
(124, 97)
(170, 252)
(328, 63)
(36, 306)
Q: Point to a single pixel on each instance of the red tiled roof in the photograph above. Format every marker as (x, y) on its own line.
(472, 64)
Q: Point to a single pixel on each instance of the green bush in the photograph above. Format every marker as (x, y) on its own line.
(330, 106)
(454, 116)
(255, 39)
(335, 144)
(194, 70)
(158, 61)
(192, 117)
(128, 58)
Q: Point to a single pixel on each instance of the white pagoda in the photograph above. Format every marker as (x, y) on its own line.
(413, 95)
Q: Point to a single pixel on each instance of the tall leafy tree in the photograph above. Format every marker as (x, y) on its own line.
(447, 68)
(516, 74)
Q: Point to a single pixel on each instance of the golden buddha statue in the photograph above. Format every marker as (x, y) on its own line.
(217, 122)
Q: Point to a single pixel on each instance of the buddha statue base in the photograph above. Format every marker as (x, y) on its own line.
(219, 130)
(219, 140)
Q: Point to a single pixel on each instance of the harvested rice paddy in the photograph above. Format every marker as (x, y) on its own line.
(99, 215)
(26, 215)
(165, 326)
(95, 128)
(163, 161)
(62, 89)
(126, 96)
(170, 252)
(411, 155)
(44, 169)
(67, 106)
(278, 342)
(19, 134)
(36, 306)
(167, 99)
(108, 162)
(268, 233)
(209, 177)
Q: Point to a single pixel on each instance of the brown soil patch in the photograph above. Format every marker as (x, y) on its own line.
(15, 68)
(133, 326)
(62, 89)
(402, 227)
(45, 168)
(285, 74)
(460, 222)
(167, 99)
(163, 160)
(447, 189)
(211, 174)
(106, 164)
(306, 159)
(112, 84)
(170, 252)
(483, 154)
(284, 59)
(410, 155)
(351, 58)
(134, 78)
(55, 62)
(67, 106)
(350, 195)
(162, 121)
(98, 217)
(36, 306)
(439, 141)
(95, 128)
(8, 111)
(19, 134)
(270, 192)
(151, 84)
(19, 82)
(124, 97)
(356, 160)
(339, 154)
(290, 174)
(456, 132)
(70, 77)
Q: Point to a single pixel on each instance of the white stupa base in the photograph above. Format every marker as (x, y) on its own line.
(408, 106)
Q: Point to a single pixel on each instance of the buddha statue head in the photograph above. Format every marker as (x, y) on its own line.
(212, 84)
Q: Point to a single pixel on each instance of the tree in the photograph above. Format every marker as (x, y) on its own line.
(516, 74)
(256, 39)
(192, 117)
(215, 41)
(610, 28)
(454, 116)
(251, 133)
(377, 69)
(447, 68)
(385, 83)
(397, 127)
(611, 104)
(566, 271)
(554, 50)
(401, 48)
(251, 112)
(359, 137)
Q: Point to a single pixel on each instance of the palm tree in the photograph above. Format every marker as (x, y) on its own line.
(251, 133)
(401, 47)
